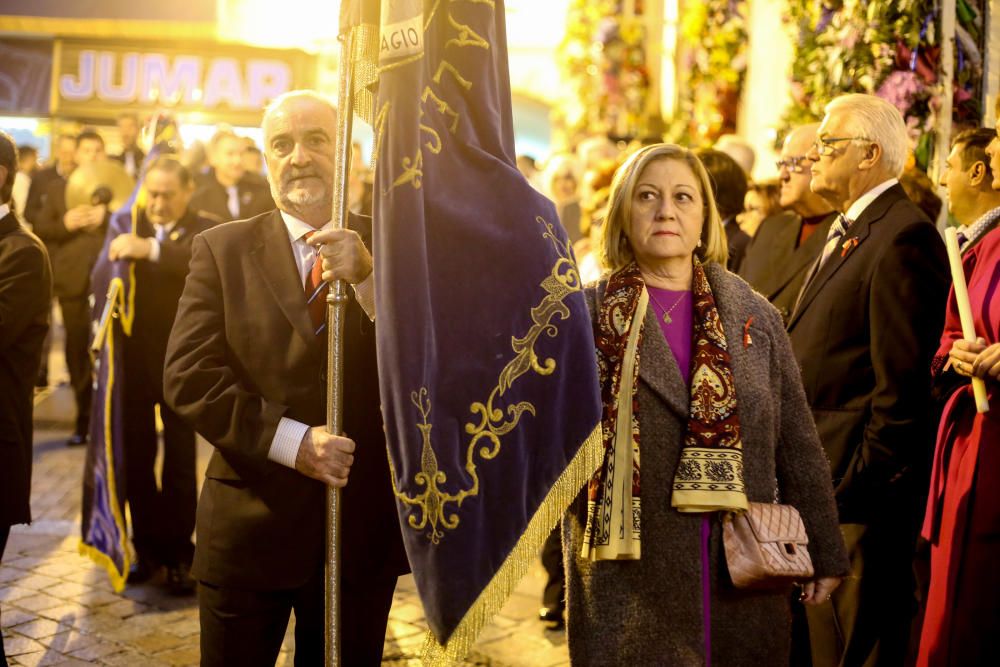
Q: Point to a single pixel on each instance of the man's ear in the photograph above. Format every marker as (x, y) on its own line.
(977, 174)
(872, 156)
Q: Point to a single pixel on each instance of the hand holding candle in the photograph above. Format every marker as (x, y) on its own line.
(964, 310)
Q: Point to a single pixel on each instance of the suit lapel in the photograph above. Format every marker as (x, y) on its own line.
(780, 273)
(801, 258)
(658, 367)
(272, 254)
(859, 230)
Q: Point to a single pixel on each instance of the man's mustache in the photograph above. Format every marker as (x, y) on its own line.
(297, 175)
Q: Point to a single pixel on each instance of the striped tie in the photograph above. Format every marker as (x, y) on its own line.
(833, 236)
(316, 289)
(837, 231)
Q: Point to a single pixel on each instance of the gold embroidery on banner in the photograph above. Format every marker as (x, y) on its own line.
(413, 171)
(466, 36)
(494, 421)
(434, 143)
(447, 66)
(378, 127)
(443, 107)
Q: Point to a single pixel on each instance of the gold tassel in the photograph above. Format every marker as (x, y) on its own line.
(515, 566)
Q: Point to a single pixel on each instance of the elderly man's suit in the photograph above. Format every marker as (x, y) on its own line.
(776, 265)
(243, 354)
(864, 333)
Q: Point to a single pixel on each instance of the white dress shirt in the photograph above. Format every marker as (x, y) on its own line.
(865, 200)
(161, 232)
(289, 434)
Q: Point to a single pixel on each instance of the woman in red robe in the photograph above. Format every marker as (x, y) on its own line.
(962, 620)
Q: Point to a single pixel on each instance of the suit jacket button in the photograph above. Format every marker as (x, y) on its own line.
(322, 376)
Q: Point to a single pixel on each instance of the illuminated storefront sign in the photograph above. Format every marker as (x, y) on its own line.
(233, 83)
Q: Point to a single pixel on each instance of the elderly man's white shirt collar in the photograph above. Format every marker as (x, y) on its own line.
(298, 228)
(865, 200)
(4, 210)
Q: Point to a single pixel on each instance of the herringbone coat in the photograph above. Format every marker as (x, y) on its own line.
(650, 611)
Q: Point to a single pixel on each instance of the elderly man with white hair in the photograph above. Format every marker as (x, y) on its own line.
(864, 330)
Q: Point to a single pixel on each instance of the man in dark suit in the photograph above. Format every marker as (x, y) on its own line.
(25, 296)
(227, 191)
(729, 186)
(131, 156)
(64, 152)
(786, 244)
(246, 368)
(74, 239)
(864, 331)
(162, 517)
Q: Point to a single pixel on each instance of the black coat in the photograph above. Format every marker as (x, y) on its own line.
(158, 288)
(243, 354)
(864, 334)
(137, 157)
(737, 240)
(211, 197)
(73, 253)
(38, 192)
(25, 295)
(776, 265)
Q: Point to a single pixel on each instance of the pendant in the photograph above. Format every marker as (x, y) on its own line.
(667, 319)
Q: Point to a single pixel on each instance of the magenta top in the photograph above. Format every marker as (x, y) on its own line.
(679, 305)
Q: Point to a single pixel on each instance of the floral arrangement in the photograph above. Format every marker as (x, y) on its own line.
(890, 48)
(603, 60)
(711, 69)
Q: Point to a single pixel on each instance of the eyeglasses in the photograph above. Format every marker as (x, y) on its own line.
(825, 146)
(795, 164)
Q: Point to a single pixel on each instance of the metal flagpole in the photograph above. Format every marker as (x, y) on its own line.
(336, 303)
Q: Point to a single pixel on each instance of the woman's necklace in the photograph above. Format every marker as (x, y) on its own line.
(666, 311)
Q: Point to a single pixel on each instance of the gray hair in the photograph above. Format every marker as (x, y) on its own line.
(878, 121)
(306, 93)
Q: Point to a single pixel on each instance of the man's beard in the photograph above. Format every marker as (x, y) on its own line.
(306, 198)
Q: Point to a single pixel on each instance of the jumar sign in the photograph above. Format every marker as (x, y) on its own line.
(211, 82)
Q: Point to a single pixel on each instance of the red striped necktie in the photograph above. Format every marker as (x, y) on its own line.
(316, 289)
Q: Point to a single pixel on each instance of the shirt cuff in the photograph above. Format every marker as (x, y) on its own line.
(154, 250)
(364, 292)
(287, 438)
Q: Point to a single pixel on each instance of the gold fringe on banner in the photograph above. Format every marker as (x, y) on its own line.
(365, 61)
(515, 566)
(125, 307)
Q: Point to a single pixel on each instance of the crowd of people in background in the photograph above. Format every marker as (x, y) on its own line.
(823, 292)
(863, 334)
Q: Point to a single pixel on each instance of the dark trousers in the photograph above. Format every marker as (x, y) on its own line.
(76, 319)
(867, 622)
(4, 532)
(162, 517)
(554, 595)
(240, 627)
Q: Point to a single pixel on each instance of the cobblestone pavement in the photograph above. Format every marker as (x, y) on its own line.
(59, 609)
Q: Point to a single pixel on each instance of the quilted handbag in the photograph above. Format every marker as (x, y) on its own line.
(766, 547)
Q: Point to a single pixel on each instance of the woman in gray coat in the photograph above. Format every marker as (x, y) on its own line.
(697, 373)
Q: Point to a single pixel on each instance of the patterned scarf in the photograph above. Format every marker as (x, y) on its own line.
(709, 476)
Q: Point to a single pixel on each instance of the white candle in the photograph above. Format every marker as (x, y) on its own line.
(964, 309)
